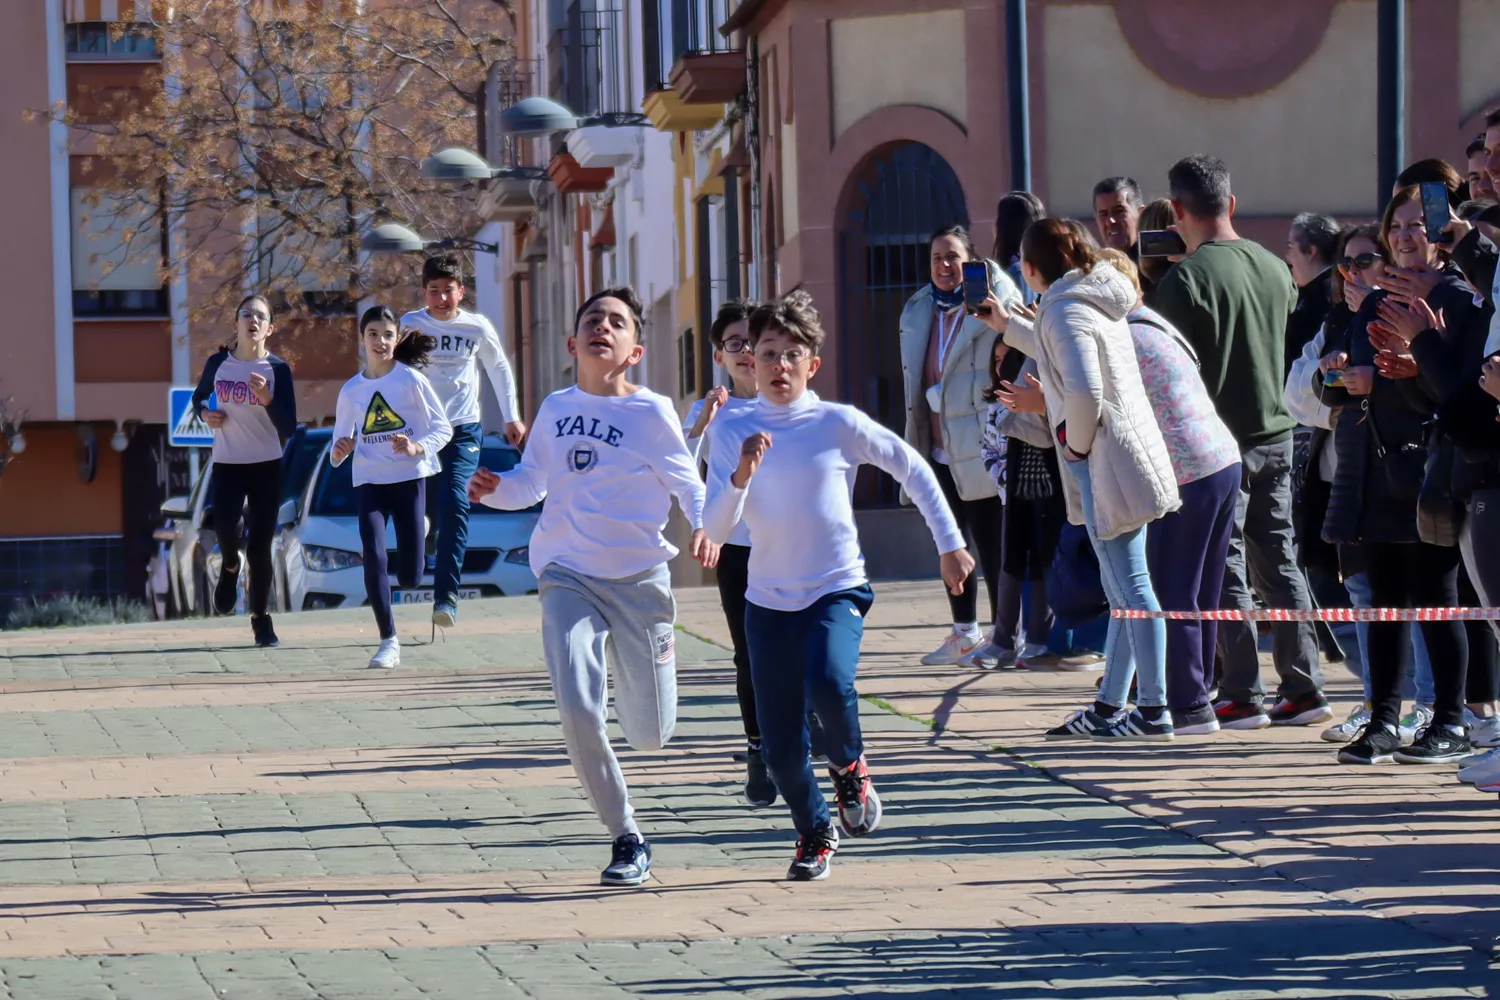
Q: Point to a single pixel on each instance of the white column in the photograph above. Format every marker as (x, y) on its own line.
(62, 228)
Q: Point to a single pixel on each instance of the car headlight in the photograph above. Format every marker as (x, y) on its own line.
(521, 556)
(322, 559)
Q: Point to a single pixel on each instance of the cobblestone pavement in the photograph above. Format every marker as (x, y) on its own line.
(183, 816)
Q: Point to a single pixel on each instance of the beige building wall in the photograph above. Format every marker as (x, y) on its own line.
(1478, 61)
(1309, 140)
(880, 62)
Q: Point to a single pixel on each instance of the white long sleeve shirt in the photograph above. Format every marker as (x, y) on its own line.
(374, 410)
(464, 343)
(608, 467)
(702, 446)
(798, 504)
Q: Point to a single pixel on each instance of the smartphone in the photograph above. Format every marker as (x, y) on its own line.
(1435, 211)
(1162, 243)
(976, 284)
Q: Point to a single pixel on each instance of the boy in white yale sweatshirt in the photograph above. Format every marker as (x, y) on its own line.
(808, 594)
(609, 457)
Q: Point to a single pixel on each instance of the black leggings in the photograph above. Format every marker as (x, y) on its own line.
(1416, 575)
(403, 503)
(734, 577)
(982, 523)
(1484, 654)
(257, 485)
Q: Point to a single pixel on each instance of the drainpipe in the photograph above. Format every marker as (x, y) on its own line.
(1391, 59)
(1018, 86)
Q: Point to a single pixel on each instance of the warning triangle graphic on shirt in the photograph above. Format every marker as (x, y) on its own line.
(380, 418)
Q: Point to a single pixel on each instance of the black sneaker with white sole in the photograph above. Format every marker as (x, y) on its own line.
(265, 635)
(813, 854)
(1436, 745)
(760, 790)
(630, 864)
(226, 591)
(1377, 743)
(1133, 727)
(1081, 725)
(859, 806)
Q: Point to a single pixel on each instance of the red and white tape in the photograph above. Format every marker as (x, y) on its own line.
(1322, 615)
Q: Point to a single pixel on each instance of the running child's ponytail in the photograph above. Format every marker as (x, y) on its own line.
(412, 349)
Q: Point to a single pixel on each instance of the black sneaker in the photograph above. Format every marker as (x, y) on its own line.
(1376, 744)
(631, 863)
(1081, 725)
(859, 806)
(1240, 715)
(1309, 709)
(1436, 745)
(813, 855)
(1133, 727)
(1195, 721)
(226, 591)
(816, 740)
(760, 790)
(265, 635)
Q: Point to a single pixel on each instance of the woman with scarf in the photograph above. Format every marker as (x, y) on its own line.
(945, 365)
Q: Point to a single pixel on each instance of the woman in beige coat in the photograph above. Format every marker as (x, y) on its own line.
(945, 368)
(1117, 475)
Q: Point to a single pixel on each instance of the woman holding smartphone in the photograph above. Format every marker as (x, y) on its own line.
(945, 364)
(253, 412)
(393, 424)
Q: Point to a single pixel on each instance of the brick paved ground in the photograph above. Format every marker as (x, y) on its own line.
(185, 817)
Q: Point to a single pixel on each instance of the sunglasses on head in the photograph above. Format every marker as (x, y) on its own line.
(1361, 262)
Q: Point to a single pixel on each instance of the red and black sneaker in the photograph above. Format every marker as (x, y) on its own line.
(1304, 710)
(1241, 715)
(813, 854)
(859, 806)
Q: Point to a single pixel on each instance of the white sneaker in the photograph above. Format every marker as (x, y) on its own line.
(1033, 651)
(388, 655)
(1346, 731)
(990, 656)
(1412, 724)
(953, 650)
(1485, 732)
(1480, 765)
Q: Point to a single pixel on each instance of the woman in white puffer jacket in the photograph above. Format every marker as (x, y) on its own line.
(1118, 475)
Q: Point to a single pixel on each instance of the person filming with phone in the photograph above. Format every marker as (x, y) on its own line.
(945, 367)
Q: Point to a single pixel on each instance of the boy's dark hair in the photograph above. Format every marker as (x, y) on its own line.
(1201, 184)
(412, 349)
(625, 294)
(1473, 207)
(442, 265)
(1126, 187)
(1492, 119)
(730, 313)
(794, 315)
(956, 231)
(1475, 146)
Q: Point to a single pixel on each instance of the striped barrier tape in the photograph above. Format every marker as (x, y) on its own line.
(1322, 615)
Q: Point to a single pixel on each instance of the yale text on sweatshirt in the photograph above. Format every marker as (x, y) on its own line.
(798, 505)
(374, 410)
(609, 468)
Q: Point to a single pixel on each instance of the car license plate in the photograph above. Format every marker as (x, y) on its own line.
(425, 596)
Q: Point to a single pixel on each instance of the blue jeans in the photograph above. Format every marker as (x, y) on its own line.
(805, 656)
(1127, 584)
(1417, 684)
(448, 492)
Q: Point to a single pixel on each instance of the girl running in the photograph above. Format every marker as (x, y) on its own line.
(395, 427)
(246, 396)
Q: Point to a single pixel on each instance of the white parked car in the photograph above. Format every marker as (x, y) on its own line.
(317, 553)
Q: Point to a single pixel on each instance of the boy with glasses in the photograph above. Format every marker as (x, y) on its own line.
(807, 592)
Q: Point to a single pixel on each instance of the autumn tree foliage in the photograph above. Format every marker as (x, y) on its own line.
(274, 133)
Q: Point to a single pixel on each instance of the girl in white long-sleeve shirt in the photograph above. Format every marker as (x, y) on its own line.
(808, 592)
(393, 424)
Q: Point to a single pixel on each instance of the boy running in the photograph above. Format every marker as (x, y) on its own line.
(808, 593)
(608, 457)
(465, 340)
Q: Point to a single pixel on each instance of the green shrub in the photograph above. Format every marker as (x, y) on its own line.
(69, 610)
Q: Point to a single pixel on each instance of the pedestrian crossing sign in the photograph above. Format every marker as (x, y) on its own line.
(184, 429)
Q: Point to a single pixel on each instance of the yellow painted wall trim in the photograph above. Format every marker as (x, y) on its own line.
(668, 113)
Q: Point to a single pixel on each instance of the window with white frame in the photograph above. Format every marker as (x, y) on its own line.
(117, 254)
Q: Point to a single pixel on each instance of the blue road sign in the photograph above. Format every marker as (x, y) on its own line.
(184, 429)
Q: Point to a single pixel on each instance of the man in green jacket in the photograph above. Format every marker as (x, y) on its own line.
(1231, 298)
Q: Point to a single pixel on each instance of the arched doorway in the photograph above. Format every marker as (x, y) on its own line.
(890, 209)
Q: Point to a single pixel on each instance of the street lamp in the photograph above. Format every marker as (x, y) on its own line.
(534, 117)
(392, 237)
(459, 165)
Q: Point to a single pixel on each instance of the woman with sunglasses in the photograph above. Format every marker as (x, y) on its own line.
(1381, 439)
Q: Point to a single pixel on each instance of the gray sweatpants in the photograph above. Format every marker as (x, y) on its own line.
(588, 622)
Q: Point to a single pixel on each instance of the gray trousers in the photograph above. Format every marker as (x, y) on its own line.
(592, 628)
(1264, 543)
